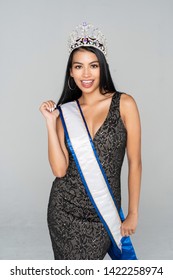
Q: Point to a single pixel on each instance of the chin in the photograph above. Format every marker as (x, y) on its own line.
(88, 91)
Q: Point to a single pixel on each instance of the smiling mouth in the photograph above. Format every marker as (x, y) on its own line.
(87, 83)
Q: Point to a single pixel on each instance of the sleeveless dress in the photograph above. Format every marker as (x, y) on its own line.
(75, 229)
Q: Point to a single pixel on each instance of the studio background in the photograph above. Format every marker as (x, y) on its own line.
(33, 57)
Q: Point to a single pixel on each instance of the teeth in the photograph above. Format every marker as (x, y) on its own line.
(87, 82)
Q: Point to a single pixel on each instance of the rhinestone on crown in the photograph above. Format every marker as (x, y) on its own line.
(87, 35)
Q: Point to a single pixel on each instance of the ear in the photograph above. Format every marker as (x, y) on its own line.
(71, 75)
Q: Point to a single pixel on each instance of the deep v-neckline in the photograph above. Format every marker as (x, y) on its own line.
(106, 118)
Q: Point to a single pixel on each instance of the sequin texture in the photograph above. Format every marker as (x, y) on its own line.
(75, 229)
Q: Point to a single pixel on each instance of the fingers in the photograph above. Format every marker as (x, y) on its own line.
(48, 105)
(126, 231)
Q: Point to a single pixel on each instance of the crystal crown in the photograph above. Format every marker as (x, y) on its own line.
(87, 35)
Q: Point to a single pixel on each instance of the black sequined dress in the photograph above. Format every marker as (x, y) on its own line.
(75, 229)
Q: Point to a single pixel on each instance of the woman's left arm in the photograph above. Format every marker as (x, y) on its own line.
(131, 118)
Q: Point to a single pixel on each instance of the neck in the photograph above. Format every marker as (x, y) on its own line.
(91, 98)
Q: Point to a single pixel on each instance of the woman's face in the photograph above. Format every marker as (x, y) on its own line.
(85, 71)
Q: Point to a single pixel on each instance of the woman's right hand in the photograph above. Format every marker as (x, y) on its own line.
(49, 110)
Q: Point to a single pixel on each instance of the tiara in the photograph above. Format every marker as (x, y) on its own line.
(87, 35)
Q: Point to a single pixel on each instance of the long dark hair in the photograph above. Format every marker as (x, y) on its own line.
(106, 83)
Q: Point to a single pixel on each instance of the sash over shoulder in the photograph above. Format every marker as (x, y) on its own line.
(94, 179)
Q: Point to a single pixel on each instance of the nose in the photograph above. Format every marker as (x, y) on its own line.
(86, 72)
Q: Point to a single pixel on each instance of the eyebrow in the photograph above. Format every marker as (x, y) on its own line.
(75, 62)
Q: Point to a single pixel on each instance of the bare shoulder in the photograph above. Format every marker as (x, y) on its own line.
(128, 109)
(127, 101)
(127, 104)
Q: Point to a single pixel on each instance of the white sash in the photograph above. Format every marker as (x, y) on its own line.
(91, 170)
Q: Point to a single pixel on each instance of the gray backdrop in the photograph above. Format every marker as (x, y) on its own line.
(33, 56)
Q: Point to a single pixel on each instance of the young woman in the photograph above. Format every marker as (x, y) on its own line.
(78, 225)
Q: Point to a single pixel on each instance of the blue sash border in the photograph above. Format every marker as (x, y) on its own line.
(99, 163)
(128, 252)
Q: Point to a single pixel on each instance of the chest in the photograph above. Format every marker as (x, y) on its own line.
(95, 116)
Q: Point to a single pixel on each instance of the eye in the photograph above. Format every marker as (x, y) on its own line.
(94, 65)
(78, 67)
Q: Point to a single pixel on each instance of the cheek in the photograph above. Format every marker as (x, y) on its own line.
(76, 78)
(97, 72)
(98, 75)
(76, 75)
